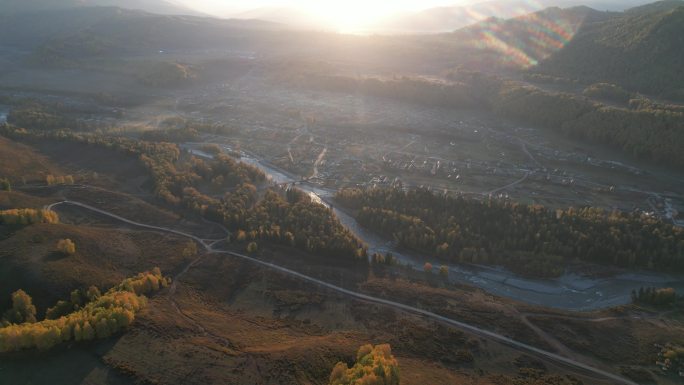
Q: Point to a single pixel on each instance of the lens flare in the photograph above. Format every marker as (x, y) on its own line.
(526, 40)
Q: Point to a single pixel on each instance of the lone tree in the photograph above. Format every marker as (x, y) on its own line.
(22, 309)
(252, 248)
(5, 184)
(66, 247)
(444, 271)
(93, 293)
(190, 249)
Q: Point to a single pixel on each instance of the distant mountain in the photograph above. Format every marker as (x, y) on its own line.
(88, 31)
(290, 16)
(153, 6)
(524, 41)
(641, 49)
(446, 19)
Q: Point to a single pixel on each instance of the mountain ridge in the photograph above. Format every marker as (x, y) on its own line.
(153, 6)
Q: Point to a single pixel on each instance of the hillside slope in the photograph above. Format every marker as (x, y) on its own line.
(524, 41)
(450, 18)
(640, 49)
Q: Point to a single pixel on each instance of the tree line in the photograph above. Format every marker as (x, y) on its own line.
(25, 217)
(44, 117)
(530, 239)
(654, 296)
(74, 320)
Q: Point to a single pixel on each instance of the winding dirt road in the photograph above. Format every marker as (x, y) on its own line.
(520, 346)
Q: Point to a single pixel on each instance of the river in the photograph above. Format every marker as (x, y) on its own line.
(571, 291)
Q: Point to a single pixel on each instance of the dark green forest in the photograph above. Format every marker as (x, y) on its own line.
(639, 49)
(528, 239)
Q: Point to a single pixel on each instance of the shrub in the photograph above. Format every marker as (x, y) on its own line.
(22, 309)
(66, 247)
(5, 185)
(190, 249)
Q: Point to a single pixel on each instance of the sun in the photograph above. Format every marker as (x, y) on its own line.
(349, 15)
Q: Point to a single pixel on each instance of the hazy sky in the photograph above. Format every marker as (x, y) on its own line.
(341, 13)
(315, 5)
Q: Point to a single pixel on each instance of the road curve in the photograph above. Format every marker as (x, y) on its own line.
(130, 222)
(364, 297)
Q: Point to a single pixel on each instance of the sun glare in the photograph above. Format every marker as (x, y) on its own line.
(350, 15)
(339, 15)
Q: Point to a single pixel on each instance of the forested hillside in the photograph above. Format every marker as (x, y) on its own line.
(640, 49)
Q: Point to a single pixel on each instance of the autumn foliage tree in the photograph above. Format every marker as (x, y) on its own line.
(25, 217)
(375, 365)
(66, 247)
(22, 311)
(444, 271)
(103, 316)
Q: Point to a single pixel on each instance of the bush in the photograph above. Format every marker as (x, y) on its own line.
(22, 311)
(190, 249)
(5, 185)
(66, 247)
